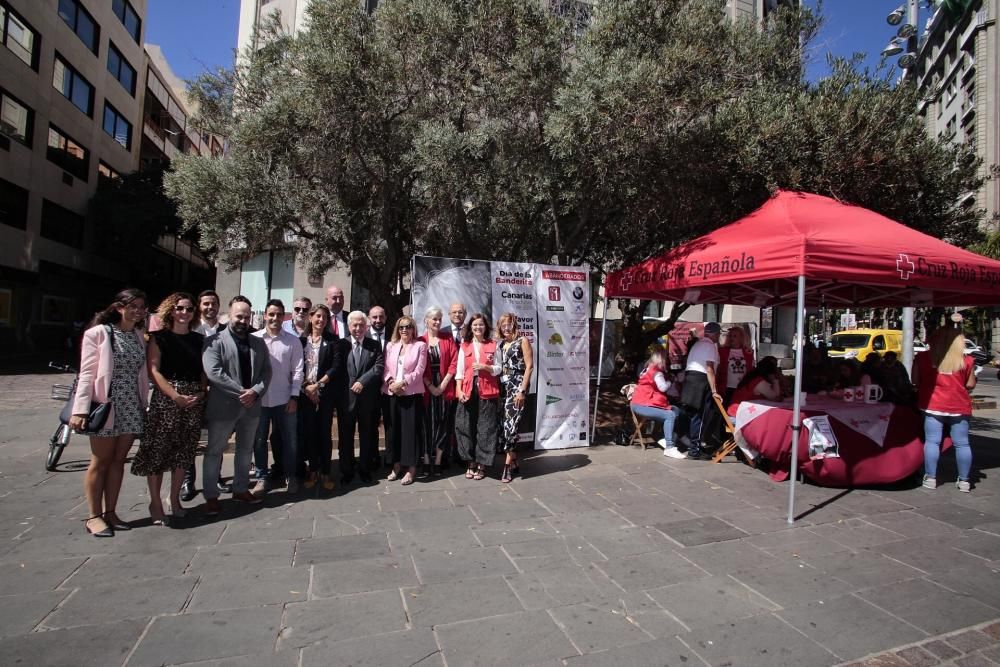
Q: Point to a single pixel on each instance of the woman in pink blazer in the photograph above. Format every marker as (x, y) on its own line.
(112, 367)
(405, 363)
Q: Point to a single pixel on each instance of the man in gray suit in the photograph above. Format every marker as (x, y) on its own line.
(238, 368)
(359, 399)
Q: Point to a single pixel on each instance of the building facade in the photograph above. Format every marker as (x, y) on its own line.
(959, 73)
(75, 80)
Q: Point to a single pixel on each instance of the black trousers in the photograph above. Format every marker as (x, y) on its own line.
(408, 429)
(382, 410)
(316, 432)
(360, 420)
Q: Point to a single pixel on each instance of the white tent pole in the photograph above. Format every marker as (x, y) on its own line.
(800, 307)
(600, 363)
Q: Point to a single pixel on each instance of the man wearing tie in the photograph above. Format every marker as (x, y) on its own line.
(457, 316)
(359, 401)
(378, 333)
(338, 318)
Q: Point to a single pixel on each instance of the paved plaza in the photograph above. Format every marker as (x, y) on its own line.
(600, 556)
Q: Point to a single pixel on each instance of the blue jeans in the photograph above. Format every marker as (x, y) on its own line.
(659, 414)
(934, 434)
(284, 443)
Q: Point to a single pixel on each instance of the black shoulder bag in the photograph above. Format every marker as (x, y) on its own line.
(97, 416)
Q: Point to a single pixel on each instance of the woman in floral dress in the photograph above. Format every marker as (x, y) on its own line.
(516, 364)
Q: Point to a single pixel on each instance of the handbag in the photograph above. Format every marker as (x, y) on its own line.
(98, 413)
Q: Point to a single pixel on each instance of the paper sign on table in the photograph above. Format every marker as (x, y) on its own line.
(822, 441)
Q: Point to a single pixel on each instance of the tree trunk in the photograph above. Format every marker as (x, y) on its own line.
(636, 338)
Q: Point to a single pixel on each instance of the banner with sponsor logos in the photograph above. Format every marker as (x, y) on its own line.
(563, 300)
(554, 318)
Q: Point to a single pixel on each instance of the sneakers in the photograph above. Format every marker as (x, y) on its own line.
(963, 486)
(930, 482)
(260, 488)
(662, 442)
(674, 453)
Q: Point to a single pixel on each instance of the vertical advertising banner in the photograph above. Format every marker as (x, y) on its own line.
(514, 292)
(563, 302)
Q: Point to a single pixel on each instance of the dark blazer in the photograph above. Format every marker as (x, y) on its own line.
(331, 365)
(368, 371)
(386, 337)
(221, 362)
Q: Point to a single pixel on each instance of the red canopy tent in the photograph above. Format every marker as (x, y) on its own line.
(801, 248)
(849, 255)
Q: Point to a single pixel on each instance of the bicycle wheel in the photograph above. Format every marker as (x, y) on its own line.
(56, 446)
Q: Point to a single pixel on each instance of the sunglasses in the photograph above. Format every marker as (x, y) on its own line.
(404, 326)
(183, 309)
(301, 310)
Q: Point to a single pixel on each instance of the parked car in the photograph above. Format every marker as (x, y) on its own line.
(980, 356)
(859, 343)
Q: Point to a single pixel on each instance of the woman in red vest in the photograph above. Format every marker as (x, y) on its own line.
(764, 382)
(478, 393)
(439, 390)
(649, 400)
(944, 377)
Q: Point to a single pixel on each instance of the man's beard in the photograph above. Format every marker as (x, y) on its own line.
(239, 328)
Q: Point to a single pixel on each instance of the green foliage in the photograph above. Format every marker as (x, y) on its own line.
(490, 129)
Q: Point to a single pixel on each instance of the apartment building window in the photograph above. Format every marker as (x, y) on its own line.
(13, 205)
(16, 119)
(73, 86)
(81, 22)
(67, 153)
(117, 127)
(130, 19)
(120, 69)
(106, 174)
(61, 224)
(18, 36)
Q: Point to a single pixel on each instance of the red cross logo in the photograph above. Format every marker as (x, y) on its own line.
(905, 266)
(752, 409)
(626, 281)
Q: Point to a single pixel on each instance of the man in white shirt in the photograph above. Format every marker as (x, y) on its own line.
(279, 403)
(338, 318)
(699, 387)
(378, 332)
(300, 317)
(457, 316)
(376, 326)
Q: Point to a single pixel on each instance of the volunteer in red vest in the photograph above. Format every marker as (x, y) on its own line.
(944, 377)
(478, 394)
(763, 382)
(650, 400)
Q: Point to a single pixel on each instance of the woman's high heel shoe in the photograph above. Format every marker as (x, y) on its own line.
(506, 476)
(174, 510)
(115, 522)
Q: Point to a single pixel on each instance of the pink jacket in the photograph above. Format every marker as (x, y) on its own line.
(414, 365)
(96, 366)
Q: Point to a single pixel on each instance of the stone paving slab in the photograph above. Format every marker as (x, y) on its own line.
(604, 555)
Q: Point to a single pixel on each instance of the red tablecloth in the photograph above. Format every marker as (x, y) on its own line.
(862, 462)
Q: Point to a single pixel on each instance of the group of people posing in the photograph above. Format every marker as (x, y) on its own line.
(457, 390)
(685, 401)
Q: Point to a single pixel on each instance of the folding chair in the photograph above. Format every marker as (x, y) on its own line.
(638, 437)
(729, 443)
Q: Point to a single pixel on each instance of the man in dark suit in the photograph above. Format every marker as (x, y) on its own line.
(359, 402)
(378, 332)
(238, 368)
(338, 316)
(456, 314)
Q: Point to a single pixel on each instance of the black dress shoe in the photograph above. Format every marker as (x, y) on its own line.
(346, 478)
(188, 492)
(365, 476)
(225, 487)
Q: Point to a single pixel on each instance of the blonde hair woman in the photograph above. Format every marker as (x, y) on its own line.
(405, 363)
(735, 362)
(944, 377)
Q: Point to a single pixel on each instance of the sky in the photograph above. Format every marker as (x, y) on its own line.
(196, 35)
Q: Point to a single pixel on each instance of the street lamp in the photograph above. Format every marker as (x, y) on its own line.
(895, 17)
(892, 48)
(907, 60)
(906, 31)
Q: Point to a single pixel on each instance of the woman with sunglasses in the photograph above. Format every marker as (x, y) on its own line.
(175, 410)
(112, 369)
(478, 392)
(405, 363)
